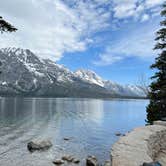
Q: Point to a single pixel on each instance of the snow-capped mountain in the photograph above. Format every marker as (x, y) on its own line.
(24, 73)
(90, 77)
(93, 78)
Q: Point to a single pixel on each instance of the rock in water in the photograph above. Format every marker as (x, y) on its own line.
(118, 134)
(76, 161)
(58, 162)
(107, 163)
(152, 164)
(39, 145)
(68, 158)
(91, 161)
(66, 139)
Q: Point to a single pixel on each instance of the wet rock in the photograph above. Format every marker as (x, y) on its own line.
(58, 162)
(152, 164)
(68, 158)
(76, 161)
(66, 139)
(39, 145)
(107, 163)
(92, 161)
(118, 134)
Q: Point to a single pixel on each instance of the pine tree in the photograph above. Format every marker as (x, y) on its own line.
(5, 26)
(156, 110)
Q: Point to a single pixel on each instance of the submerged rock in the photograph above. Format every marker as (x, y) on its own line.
(39, 145)
(92, 161)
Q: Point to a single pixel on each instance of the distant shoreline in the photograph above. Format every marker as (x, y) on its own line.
(44, 96)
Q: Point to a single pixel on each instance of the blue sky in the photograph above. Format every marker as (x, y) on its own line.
(132, 66)
(115, 38)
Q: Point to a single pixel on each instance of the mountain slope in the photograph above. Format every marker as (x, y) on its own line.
(127, 90)
(89, 77)
(23, 73)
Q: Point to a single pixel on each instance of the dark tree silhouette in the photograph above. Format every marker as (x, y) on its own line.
(5, 26)
(156, 110)
(0, 66)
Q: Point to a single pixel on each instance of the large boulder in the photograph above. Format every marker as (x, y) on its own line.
(39, 145)
(142, 145)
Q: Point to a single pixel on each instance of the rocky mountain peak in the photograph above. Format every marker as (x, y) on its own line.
(90, 77)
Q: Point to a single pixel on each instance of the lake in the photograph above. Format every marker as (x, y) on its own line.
(90, 124)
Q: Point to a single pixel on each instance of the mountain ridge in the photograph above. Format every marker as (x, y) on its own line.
(24, 73)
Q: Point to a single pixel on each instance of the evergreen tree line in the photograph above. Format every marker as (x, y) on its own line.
(156, 110)
(5, 26)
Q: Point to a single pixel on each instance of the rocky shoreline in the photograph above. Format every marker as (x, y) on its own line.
(42, 145)
(144, 146)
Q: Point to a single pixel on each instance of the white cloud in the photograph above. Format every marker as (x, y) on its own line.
(152, 3)
(138, 43)
(124, 8)
(52, 27)
(134, 8)
(145, 17)
(107, 59)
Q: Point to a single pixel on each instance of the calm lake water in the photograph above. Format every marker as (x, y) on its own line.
(90, 124)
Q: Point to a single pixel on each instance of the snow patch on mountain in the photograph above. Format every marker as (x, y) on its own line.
(128, 90)
(90, 77)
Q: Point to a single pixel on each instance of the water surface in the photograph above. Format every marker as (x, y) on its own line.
(90, 124)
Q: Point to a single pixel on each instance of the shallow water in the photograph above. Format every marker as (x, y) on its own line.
(90, 124)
